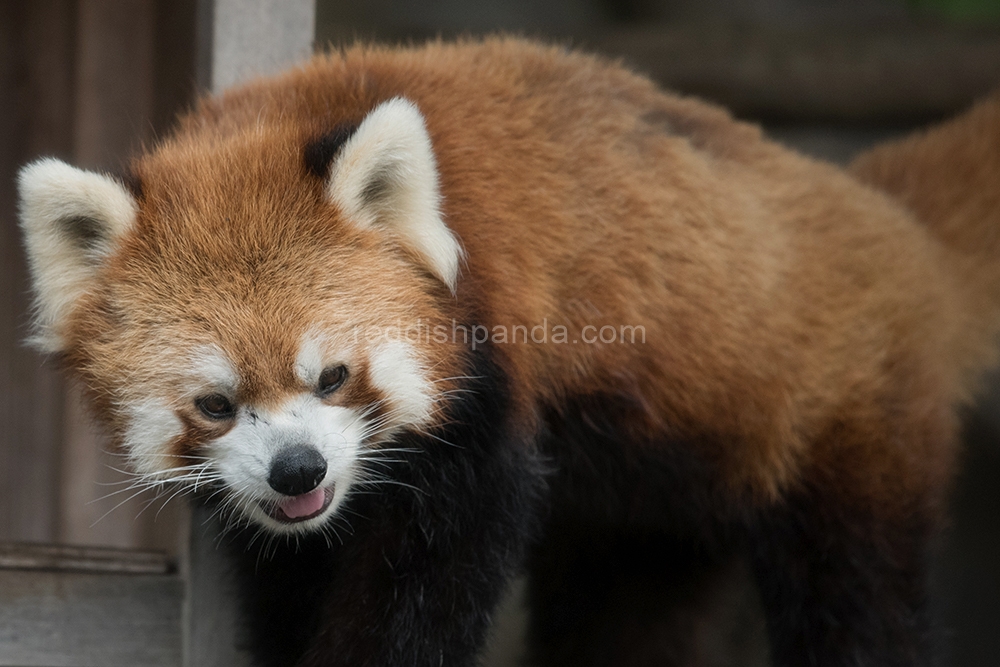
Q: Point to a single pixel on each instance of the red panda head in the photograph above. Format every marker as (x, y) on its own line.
(252, 316)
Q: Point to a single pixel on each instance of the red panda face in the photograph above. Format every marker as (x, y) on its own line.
(250, 323)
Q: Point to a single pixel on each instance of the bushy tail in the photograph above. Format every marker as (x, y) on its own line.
(949, 177)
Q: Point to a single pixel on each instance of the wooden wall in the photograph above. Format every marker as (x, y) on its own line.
(35, 49)
(91, 81)
(87, 81)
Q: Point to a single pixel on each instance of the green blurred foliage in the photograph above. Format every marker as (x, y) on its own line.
(961, 10)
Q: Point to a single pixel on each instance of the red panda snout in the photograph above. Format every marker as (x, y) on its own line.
(296, 470)
(273, 453)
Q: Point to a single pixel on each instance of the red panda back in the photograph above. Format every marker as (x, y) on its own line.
(595, 200)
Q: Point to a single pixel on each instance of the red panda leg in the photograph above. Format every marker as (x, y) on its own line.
(602, 598)
(842, 586)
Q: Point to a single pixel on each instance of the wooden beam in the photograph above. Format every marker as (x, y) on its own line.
(75, 606)
(54, 618)
(896, 72)
(212, 623)
(82, 559)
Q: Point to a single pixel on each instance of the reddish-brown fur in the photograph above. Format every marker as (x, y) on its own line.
(802, 330)
(777, 295)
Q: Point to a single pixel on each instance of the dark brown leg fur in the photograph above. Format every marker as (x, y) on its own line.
(843, 588)
(601, 599)
(839, 558)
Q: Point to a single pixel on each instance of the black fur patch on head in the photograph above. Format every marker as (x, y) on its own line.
(319, 153)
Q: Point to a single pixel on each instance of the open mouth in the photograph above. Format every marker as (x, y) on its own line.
(294, 509)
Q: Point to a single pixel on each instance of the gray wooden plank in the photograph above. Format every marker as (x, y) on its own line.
(67, 558)
(72, 619)
(77, 84)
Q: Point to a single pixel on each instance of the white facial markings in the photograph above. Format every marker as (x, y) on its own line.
(152, 424)
(309, 361)
(211, 369)
(395, 370)
(243, 456)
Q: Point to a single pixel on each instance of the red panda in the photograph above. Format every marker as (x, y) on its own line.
(409, 320)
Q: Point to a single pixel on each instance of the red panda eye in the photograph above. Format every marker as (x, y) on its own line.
(331, 379)
(216, 406)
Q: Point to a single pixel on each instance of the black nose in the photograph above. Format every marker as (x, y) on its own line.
(296, 470)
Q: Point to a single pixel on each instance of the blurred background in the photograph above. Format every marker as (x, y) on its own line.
(91, 81)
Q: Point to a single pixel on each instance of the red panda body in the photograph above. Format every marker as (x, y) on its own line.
(538, 303)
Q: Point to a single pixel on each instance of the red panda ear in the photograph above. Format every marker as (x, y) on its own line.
(71, 219)
(385, 176)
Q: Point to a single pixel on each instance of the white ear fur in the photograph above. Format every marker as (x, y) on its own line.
(70, 219)
(385, 175)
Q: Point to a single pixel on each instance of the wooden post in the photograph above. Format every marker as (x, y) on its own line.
(237, 40)
(241, 39)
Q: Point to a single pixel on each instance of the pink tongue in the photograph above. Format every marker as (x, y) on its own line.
(304, 505)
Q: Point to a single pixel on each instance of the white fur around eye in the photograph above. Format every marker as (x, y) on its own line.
(211, 369)
(309, 361)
